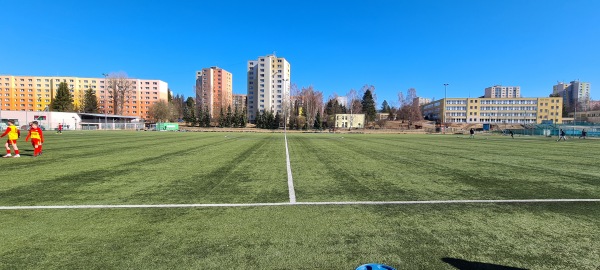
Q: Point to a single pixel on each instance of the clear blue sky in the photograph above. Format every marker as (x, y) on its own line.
(334, 45)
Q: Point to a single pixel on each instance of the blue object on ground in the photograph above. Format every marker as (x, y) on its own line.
(375, 266)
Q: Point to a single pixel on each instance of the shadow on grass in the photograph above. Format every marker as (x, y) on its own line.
(468, 265)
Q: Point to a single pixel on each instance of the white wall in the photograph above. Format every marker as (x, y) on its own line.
(51, 122)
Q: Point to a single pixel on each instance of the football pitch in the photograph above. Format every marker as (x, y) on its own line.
(183, 200)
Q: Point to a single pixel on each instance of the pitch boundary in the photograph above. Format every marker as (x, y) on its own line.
(214, 205)
(290, 179)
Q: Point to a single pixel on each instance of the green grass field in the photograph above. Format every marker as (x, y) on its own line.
(117, 168)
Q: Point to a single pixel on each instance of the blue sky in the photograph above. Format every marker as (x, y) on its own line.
(333, 45)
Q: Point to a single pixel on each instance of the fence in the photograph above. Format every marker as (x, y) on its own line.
(573, 130)
(111, 126)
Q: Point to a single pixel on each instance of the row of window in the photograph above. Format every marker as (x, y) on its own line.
(72, 81)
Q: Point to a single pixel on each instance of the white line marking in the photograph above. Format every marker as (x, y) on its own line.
(104, 206)
(291, 190)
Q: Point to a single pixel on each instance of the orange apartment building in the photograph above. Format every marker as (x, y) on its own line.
(214, 90)
(35, 93)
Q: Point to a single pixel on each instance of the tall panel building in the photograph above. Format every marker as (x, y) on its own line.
(574, 93)
(499, 91)
(35, 93)
(268, 85)
(214, 90)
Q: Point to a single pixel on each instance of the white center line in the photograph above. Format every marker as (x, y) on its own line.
(208, 205)
(289, 172)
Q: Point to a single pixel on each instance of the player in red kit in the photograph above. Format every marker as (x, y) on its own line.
(37, 138)
(13, 134)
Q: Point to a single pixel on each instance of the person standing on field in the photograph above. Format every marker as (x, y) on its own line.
(562, 135)
(472, 132)
(59, 131)
(583, 134)
(512, 134)
(37, 138)
(13, 134)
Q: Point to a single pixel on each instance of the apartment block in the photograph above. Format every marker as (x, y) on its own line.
(214, 90)
(499, 91)
(495, 110)
(268, 85)
(239, 102)
(576, 95)
(35, 93)
(421, 101)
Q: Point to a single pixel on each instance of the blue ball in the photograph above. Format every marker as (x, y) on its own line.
(375, 266)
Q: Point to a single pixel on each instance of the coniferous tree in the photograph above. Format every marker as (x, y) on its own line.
(200, 117)
(228, 117)
(242, 121)
(90, 101)
(385, 108)
(368, 106)
(276, 121)
(221, 118)
(207, 117)
(317, 125)
(63, 102)
(189, 112)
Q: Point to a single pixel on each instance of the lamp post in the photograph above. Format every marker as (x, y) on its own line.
(105, 84)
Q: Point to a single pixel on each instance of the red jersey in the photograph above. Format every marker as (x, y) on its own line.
(35, 133)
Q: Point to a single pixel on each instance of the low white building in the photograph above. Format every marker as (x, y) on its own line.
(70, 120)
(349, 120)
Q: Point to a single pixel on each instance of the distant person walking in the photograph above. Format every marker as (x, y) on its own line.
(60, 127)
(583, 134)
(472, 132)
(512, 134)
(562, 135)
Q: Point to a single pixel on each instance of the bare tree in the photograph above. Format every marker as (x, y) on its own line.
(354, 105)
(120, 87)
(312, 102)
(409, 107)
(160, 111)
(401, 99)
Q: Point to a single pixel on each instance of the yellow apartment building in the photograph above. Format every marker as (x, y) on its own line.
(35, 93)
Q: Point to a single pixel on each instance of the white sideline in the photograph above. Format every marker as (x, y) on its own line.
(291, 190)
(105, 206)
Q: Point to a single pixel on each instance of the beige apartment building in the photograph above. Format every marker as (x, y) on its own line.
(576, 95)
(499, 91)
(349, 120)
(214, 90)
(239, 102)
(268, 85)
(35, 93)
